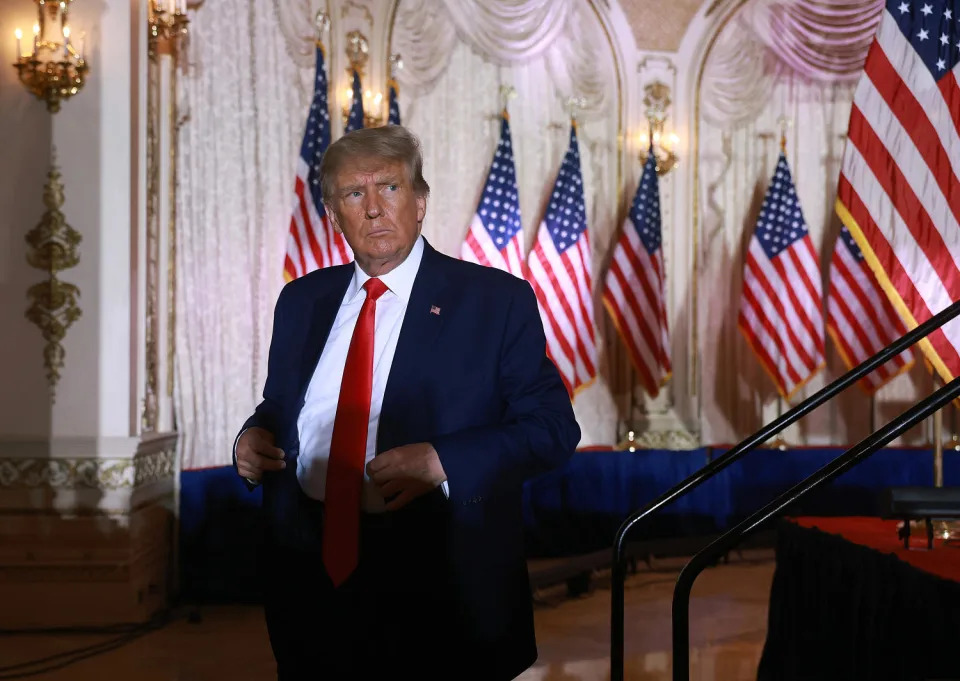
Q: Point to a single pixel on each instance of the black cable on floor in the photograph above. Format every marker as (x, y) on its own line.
(120, 628)
(50, 663)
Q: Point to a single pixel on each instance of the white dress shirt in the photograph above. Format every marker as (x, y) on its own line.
(315, 423)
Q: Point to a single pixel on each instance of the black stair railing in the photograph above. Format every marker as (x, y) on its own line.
(619, 565)
(840, 465)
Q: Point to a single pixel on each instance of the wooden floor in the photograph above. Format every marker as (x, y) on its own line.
(728, 627)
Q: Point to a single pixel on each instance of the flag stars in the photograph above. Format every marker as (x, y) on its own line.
(927, 10)
(923, 34)
(904, 8)
(944, 39)
(500, 194)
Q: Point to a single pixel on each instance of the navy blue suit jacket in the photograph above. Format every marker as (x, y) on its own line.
(473, 380)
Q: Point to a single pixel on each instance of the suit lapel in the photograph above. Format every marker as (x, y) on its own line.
(421, 324)
(324, 312)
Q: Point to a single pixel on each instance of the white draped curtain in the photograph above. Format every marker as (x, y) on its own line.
(243, 95)
(798, 59)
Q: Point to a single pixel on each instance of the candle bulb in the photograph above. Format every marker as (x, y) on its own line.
(19, 35)
(83, 45)
(66, 42)
(36, 37)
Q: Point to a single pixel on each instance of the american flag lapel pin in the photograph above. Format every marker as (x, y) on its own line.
(435, 310)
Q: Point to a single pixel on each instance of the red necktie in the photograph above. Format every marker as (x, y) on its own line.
(348, 446)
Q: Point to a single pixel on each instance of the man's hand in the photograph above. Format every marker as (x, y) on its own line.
(256, 454)
(407, 472)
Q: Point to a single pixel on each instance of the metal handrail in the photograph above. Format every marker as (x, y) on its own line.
(852, 457)
(729, 457)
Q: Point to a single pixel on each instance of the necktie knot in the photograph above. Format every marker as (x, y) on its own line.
(375, 288)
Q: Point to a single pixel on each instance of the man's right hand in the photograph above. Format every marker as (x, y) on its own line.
(256, 454)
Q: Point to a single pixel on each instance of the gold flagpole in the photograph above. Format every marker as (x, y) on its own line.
(780, 442)
(938, 448)
(946, 530)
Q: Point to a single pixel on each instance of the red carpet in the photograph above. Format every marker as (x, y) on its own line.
(881, 535)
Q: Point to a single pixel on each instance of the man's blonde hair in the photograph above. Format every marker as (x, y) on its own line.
(391, 142)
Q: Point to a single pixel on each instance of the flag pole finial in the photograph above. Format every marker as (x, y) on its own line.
(784, 124)
(322, 22)
(574, 104)
(507, 92)
(396, 65)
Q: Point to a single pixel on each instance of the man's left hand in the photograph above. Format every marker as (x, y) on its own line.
(406, 473)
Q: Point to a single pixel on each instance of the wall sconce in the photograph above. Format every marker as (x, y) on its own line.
(167, 26)
(372, 103)
(53, 71)
(358, 52)
(657, 101)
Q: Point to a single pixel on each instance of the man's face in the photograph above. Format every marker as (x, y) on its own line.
(378, 213)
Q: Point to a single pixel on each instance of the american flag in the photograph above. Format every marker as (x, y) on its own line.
(559, 270)
(781, 302)
(635, 291)
(899, 192)
(355, 119)
(312, 243)
(860, 318)
(494, 238)
(393, 117)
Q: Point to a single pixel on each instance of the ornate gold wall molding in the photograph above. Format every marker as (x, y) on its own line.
(667, 439)
(160, 239)
(86, 473)
(148, 418)
(53, 306)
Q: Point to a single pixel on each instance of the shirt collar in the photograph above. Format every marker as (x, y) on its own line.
(399, 280)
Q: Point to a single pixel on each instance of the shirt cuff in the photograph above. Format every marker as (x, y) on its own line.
(235, 442)
(446, 489)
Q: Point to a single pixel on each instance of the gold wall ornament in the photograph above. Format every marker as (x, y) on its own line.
(358, 53)
(657, 102)
(54, 70)
(166, 29)
(53, 305)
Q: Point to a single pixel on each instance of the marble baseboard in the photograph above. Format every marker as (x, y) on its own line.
(86, 570)
(86, 530)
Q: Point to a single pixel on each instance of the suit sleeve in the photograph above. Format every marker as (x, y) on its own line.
(267, 414)
(537, 431)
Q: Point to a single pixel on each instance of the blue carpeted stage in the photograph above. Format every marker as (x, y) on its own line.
(571, 511)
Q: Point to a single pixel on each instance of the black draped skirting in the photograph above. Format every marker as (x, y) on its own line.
(839, 610)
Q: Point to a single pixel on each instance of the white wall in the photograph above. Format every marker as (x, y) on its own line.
(25, 139)
(92, 137)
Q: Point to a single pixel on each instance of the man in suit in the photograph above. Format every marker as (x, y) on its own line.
(408, 396)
